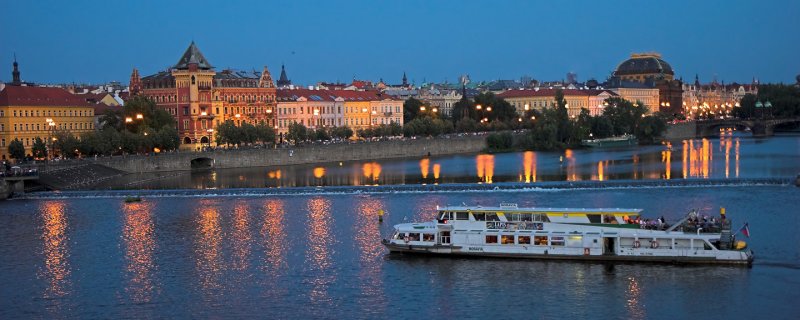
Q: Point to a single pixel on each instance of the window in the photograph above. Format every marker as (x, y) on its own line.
(185, 111)
(491, 216)
(491, 238)
(540, 240)
(428, 237)
(185, 124)
(413, 237)
(479, 216)
(507, 239)
(557, 241)
(524, 239)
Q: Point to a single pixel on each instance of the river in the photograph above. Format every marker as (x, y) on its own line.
(309, 252)
(732, 155)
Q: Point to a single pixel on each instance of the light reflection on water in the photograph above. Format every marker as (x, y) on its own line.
(138, 239)
(689, 159)
(209, 263)
(55, 249)
(320, 249)
(312, 256)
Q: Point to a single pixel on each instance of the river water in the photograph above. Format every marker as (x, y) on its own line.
(309, 252)
(732, 155)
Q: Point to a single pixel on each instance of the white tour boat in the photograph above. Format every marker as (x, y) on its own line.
(566, 233)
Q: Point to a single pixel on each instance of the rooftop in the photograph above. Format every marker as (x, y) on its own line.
(40, 96)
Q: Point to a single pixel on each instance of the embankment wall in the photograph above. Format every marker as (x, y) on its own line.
(299, 155)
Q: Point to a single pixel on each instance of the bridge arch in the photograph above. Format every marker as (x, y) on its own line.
(202, 163)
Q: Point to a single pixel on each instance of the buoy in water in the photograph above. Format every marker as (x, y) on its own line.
(380, 215)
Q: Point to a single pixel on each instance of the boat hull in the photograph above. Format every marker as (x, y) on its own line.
(445, 250)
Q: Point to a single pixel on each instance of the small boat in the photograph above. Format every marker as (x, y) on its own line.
(619, 141)
(603, 234)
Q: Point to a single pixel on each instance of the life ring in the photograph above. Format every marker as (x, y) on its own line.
(636, 243)
(654, 244)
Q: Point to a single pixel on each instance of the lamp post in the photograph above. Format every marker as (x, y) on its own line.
(50, 127)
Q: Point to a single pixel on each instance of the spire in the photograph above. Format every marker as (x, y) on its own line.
(405, 79)
(266, 79)
(15, 73)
(283, 81)
(193, 56)
(696, 81)
(135, 86)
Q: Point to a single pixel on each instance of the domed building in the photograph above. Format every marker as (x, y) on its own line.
(649, 70)
(644, 66)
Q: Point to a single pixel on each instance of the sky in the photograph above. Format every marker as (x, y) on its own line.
(433, 41)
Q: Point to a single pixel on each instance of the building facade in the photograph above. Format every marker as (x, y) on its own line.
(576, 99)
(318, 108)
(714, 98)
(650, 70)
(28, 112)
(442, 99)
(200, 98)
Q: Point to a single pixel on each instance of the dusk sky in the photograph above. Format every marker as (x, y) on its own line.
(92, 42)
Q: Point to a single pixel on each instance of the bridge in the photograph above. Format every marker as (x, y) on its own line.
(15, 183)
(759, 127)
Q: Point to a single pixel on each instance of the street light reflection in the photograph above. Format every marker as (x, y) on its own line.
(138, 237)
(56, 264)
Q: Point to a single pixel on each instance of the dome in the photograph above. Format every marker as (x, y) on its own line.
(649, 63)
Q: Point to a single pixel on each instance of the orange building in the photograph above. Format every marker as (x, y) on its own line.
(200, 98)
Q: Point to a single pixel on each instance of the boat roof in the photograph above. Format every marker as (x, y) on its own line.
(514, 208)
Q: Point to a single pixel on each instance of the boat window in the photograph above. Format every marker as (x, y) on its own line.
(538, 217)
(609, 218)
(507, 239)
(428, 237)
(491, 238)
(540, 240)
(491, 216)
(462, 215)
(593, 218)
(479, 216)
(524, 239)
(525, 217)
(707, 246)
(557, 241)
(413, 237)
(397, 235)
(444, 216)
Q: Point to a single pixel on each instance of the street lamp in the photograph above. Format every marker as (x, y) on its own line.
(139, 116)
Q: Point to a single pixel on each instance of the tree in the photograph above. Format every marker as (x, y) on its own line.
(16, 150)
(411, 109)
(463, 109)
(297, 133)
(624, 115)
(39, 149)
(651, 128)
(500, 108)
(265, 134)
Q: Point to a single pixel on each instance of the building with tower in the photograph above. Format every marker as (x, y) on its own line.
(28, 112)
(201, 98)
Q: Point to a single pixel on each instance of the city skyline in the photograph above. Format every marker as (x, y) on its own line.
(94, 42)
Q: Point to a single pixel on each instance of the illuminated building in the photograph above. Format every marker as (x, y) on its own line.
(577, 99)
(650, 70)
(200, 98)
(28, 112)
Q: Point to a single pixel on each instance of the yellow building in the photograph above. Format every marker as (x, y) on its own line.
(576, 99)
(28, 112)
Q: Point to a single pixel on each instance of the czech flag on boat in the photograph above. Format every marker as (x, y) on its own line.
(745, 229)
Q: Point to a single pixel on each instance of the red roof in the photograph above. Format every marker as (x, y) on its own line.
(40, 96)
(331, 95)
(517, 93)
